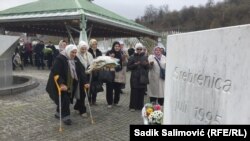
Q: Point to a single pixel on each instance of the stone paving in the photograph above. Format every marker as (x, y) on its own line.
(29, 116)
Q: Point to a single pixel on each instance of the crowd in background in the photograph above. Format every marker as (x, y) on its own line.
(35, 54)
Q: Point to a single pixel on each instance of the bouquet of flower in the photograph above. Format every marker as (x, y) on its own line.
(152, 114)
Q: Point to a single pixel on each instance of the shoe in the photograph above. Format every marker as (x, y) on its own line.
(116, 104)
(77, 112)
(94, 103)
(122, 92)
(90, 103)
(84, 115)
(57, 116)
(67, 122)
(132, 110)
(109, 106)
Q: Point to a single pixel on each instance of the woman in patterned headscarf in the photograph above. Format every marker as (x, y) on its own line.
(156, 89)
(71, 78)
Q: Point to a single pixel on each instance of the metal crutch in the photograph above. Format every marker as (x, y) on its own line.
(56, 77)
(91, 117)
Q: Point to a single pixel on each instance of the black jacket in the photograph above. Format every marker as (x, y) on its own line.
(95, 75)
(61, 68)
(98, 52)
(139, 72)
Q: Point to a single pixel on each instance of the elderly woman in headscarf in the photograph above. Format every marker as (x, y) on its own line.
(156, 89)
(85, 59)
(163, 51)
(84, 56)
(62, 45)
(95, 53)
(93, 48)
(138, 65)
(71, 78)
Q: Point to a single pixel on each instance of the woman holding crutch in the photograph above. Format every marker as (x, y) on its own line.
(86, 59)
(65, 73)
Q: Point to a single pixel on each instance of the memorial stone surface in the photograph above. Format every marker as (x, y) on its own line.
(208, 77)
(7, 47)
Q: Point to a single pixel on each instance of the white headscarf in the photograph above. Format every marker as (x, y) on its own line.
(138, 45)
(121, 42)
(92, 41)
(85, 58)
(83, 44)
(68, 50)
(71, 62)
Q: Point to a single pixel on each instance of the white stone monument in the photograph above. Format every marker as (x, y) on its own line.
(7, 47)
(208, 77)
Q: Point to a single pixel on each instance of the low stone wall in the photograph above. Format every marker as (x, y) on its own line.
(5, 72)
(20, 84)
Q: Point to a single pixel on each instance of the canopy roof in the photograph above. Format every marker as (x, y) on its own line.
(50, 16)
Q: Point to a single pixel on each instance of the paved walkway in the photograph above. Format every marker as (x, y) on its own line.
(29, 116)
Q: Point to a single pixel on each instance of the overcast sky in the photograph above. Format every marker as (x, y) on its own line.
(130, 9)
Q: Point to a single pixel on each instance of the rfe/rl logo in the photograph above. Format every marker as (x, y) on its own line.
(226, 132)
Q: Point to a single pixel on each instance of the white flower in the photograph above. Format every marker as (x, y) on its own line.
(155, 117)
(152, 114)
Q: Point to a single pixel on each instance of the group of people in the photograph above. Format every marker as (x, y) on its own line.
(35, 53)
(72, 61)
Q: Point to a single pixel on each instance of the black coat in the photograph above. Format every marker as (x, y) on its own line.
(95, 74)
(139, 72)
(98, 52)
(61, 68)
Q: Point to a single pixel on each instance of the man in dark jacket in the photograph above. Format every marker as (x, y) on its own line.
(51, 55)
(39, 55)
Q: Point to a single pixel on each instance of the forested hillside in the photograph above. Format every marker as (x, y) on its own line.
(227, 13)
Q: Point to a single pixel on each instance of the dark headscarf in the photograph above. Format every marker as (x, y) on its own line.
(118, 54)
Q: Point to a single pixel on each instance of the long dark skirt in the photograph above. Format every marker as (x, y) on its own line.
(80, 105)
(137, 98)
(65, 105)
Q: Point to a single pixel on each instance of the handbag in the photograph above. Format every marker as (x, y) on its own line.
(106, 76)
(162, 73)
(120, 76)
(96, 87)
(162, 70)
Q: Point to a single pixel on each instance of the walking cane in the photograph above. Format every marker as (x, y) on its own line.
(56, 77)
(91, 117)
